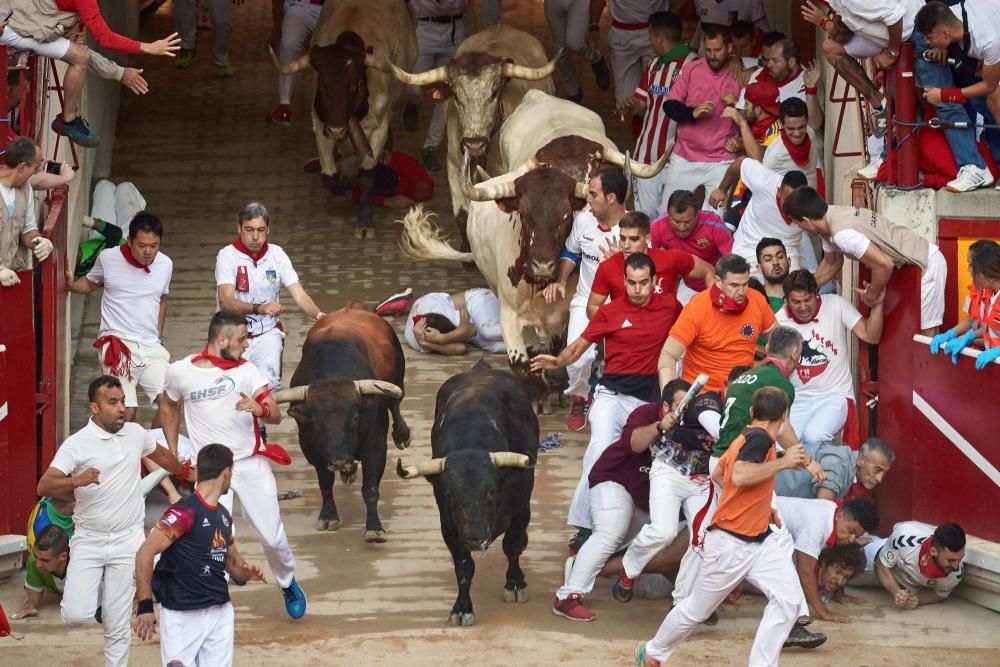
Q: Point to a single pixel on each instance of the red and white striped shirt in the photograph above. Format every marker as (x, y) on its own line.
(657, 129)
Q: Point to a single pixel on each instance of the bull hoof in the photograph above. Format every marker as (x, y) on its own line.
(515, 595)
(402, 445)
(457, 619)
(328, 525)
(543, 408)
(375, 536)
(336, 184)
(364, 233)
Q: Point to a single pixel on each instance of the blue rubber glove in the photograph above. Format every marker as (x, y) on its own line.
(986, 358)
(955, 347)
(941, 339)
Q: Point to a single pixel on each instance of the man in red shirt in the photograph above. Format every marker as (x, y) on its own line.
(633, 237)
(633, 331)
(42, 26)
(685, 226)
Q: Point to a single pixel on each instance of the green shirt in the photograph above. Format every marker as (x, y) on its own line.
(36, 580)
(739, 397)
(776, 303)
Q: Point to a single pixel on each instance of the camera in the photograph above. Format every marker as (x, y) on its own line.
(53, 167)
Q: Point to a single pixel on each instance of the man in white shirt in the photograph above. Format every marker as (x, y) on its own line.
(100, 465)
(249, 273)
(762, 217)
(19, 235)
(816, 524)
(593, 232)
(823, 382)
(225, 398)
(797, 147)
(918, 567)
(443, 323)
(629, 47)
(136, 280)
(728, 12)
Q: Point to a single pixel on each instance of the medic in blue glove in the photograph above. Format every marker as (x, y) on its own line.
(983, 320)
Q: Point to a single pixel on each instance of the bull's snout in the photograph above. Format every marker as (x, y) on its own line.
(335, 133)
(475, 145)
(543, 269)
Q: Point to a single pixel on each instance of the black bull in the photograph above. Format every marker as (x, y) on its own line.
(349, 380)
(484, 443)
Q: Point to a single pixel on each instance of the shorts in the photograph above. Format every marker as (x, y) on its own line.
(54, 50)
(198, 636)
(861, 47)
(932, 283)
(149, 368)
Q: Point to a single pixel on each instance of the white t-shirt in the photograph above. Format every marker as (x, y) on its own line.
(871, 20)
(116, 503)
(901, 554)
(810, 522)
(825, 366)
(265, 279)
(777, 158)
(433, 302)
(130, 305)
(588, 239)
(185, 448)
(636, 11)
(484, 314)
(984, 30)
(9, 194)
(762, 217)
(794, 87)
(210, 396)
(727, 12)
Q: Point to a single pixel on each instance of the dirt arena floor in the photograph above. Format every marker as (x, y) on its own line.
(198, 148)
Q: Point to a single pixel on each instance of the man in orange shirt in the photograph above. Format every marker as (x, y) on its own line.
(741, 545)
(718, 329)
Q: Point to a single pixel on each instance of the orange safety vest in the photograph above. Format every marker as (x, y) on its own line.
(984, 309)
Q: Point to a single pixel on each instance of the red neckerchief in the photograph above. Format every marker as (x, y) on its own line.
(779, 84)
(928, 566)
(783, 369)
(238, 244)
(832, 540)
(800, 153)
(781, 211)
(417, 318)
(727, 304)
(130, 258)
(218, 362)
(819, 304)
(760, 127)
(269, 450)
(118, 356)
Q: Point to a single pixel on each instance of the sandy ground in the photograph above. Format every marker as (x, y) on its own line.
(198, 148)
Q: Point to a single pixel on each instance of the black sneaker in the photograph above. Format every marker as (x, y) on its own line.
(601, 73)
(622, 590)
(75, 130)
(799, 637)
(411, 116)
(429, 157)
(577, 540)
(576, 97)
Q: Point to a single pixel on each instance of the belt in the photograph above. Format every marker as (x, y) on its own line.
(441, 19)
(628, 26)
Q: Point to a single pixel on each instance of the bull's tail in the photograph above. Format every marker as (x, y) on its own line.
(421, 238)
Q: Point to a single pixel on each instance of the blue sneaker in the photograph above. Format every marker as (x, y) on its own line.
(75, 130)
(295, 600)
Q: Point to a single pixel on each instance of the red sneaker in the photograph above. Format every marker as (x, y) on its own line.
(622, 590)
(282, 115)
(572, 609)
(577, 419)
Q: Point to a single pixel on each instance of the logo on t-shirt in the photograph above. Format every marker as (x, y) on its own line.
(812, 363)
(222, 387)
(658, 285)
(748, 330)
(626, 324)
(701, 243)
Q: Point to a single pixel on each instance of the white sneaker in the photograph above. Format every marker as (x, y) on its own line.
(970, 177)
(870, 172)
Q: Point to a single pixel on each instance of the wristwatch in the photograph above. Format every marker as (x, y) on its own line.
(594, 27)
(893, 53)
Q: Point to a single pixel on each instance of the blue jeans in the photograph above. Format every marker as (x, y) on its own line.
(991, 135)
(932, 75)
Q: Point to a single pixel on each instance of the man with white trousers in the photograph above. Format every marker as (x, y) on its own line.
(298, 20)
(567, 21)
(225, 397)
(99, 465)
(628, 40)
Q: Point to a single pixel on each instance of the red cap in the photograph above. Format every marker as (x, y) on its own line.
(765, 95)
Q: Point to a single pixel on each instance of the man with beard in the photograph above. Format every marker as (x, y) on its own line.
(762, 216)
(758, 122)
(837, 565)
(824, 386)
(633, 330)
(718, 328)
(225, 398)
(849, 473)
(773, 265)
(686, 227)
(917, 567)
(696, 102)
(99, 465)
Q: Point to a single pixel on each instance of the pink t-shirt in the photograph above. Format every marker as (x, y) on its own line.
(710, 240)
(704, 140)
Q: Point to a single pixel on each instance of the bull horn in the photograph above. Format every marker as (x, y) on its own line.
(289, 395)
(435, 75)
(510, 460)
(491, 192)
(581, 190)
(483, 174)
(376, 62)
(358, 139)
(296, 65)
(512, 71)
(639, 169)
(377, 388)
(422, 469)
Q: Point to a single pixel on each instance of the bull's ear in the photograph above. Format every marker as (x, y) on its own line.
(577, 204)
(508, 205)
(299, 412)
